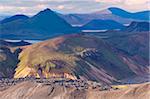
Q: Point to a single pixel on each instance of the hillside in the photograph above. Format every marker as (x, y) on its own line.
(66, 56)
(135, 45)
(47, 91)
(43, 25)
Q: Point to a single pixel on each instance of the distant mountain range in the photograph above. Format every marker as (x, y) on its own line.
(112, 13)
(43, 25)
(47, 23)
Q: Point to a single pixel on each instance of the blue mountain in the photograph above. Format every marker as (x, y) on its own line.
(102, 24)
(138, 27)
(144, 15)
(14, 18)
(43, 25)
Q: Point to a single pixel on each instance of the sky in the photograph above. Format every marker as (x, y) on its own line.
(31, 7)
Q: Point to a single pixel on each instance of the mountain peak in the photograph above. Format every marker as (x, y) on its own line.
(116, 10)
(47, 10)
(45, 13)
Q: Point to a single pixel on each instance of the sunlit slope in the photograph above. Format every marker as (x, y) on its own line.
(73, 56)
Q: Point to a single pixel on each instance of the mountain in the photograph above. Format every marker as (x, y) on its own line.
(77, 56)
(116, 14)
(138, 27)
(43, 25)
(132, 40)
(14, 18)
(144, 15)
(82, 19)
(2, 17)
(102, 25)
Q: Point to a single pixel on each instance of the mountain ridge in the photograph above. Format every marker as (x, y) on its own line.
(143, 15)
(43, 25)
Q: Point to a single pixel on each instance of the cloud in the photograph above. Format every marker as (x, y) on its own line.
(97, 0)
(60, 7)
(108, 1)
(68, 6)
(136, 2)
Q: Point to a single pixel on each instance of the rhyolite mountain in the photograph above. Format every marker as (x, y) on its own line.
(102, 25)
(112, 13)
(78, 56)
(43, 25)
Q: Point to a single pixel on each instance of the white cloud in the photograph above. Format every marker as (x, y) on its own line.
(60, 7)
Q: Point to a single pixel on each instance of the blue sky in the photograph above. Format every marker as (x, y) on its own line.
(31, 7)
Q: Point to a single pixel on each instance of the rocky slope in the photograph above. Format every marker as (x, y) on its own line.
(34, 90)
